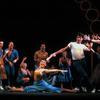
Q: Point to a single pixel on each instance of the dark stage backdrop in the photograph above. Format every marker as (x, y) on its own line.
(28, 23)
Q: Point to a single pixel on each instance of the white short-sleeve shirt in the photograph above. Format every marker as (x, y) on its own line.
(77, 50)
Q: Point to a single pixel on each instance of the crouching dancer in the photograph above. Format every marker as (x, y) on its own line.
(41, 85)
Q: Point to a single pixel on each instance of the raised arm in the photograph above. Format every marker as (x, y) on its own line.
(23, 61)
(5, 53)
(87, 37)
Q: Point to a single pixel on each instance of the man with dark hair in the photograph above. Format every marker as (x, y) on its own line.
(78, 60)
(40, 55)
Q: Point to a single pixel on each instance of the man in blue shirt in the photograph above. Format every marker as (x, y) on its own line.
(10, 59)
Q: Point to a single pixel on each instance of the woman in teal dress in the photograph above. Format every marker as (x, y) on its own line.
(64, 64)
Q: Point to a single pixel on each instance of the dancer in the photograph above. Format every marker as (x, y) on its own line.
(95, 78)
(78, 60)
(64, 64)
(94, 39)
(24, 75)
(10, 59)
(39, 84)
(2, 67)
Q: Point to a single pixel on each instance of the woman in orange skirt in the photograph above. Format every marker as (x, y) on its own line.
(2, 68)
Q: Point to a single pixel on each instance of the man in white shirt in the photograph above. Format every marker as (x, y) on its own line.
(78, 59)
(77, 50)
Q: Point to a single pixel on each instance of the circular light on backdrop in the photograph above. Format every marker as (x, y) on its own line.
(92, 14)
(85, 5)
(95, 27)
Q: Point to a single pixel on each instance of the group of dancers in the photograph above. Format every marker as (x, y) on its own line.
(41, 59)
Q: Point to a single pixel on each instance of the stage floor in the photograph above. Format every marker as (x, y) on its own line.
(6, 94)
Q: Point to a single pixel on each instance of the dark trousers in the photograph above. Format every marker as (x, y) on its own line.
(80, 67)
(10, 70)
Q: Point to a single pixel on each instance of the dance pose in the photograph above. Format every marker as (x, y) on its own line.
(10, 59)
(94, 39)
(78, 60)
(95, 78)
(41, 85)
(64, 64)
(24, 75)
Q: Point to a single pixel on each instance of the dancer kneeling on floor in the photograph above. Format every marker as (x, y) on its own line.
(39, 84)
(24, 75)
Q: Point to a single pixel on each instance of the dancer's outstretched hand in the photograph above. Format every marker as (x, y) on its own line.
(87, 37)
(52, 55)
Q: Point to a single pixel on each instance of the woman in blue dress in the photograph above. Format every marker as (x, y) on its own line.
(64, 64)
(41, 85)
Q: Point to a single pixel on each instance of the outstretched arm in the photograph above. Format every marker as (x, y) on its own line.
(96, 41)
(87, 37)
(61, 50)
(55, 53)
(54, 70)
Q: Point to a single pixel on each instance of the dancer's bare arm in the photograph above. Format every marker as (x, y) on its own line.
(55, 53)
(61, 50)
(54, 70)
